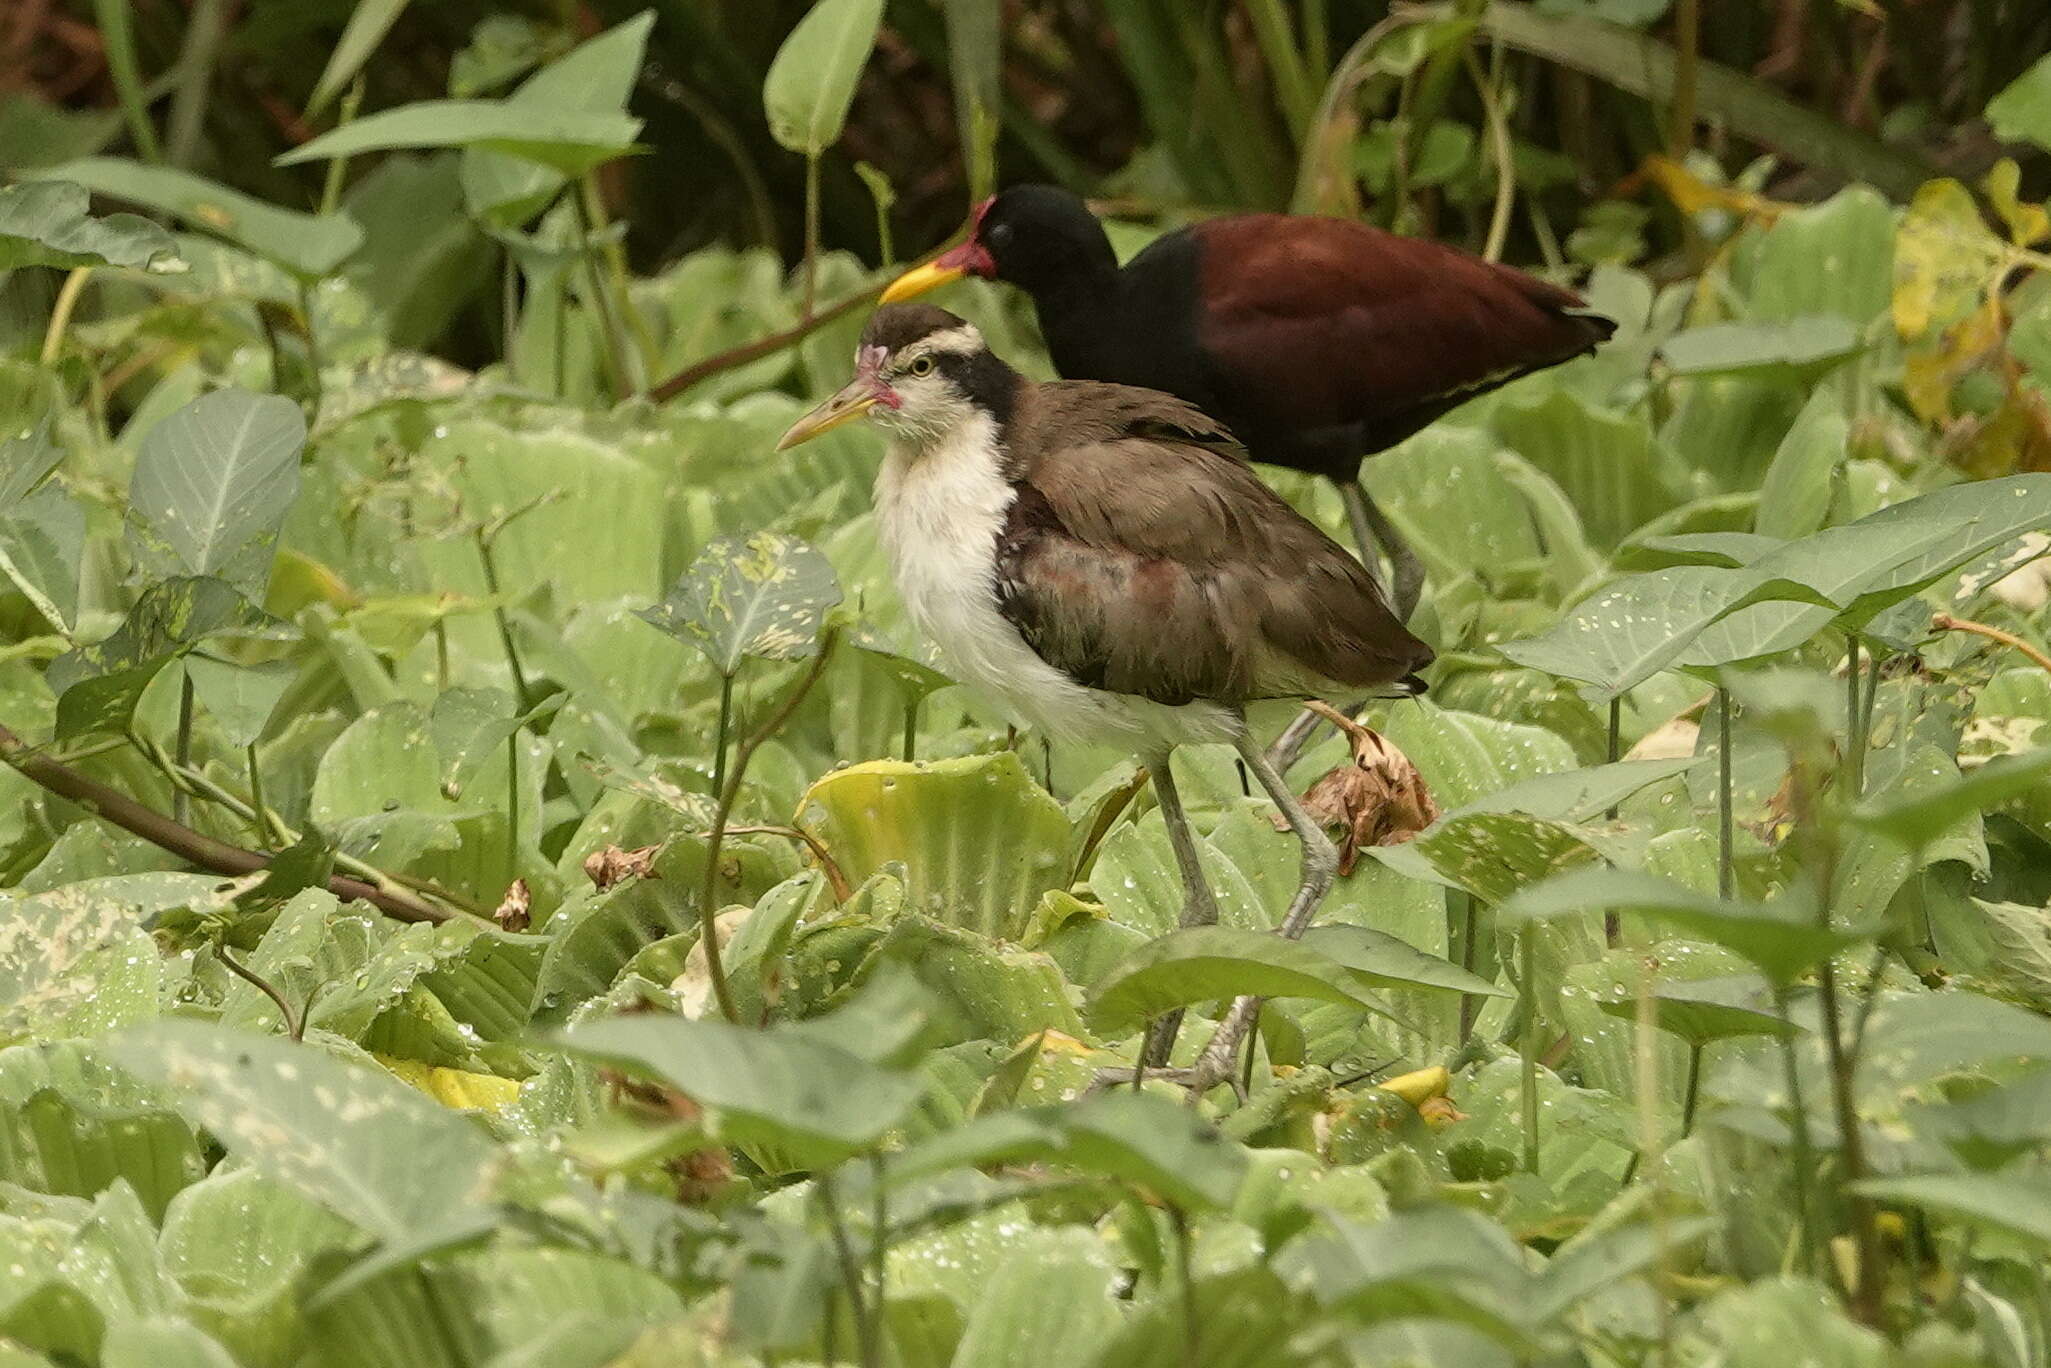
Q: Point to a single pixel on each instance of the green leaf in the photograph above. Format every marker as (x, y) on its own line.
(979, 841)
(26, 458)
(98, 686)
(811, 82)
(1205, 963)
(368, 24)
(1009, 1325)
(1806, 471)
(2014, 1203)
(42, 546)
(1638, 625)
(161, 1342)
(1579, 795)
(1377, 958)
(1607, 463)
(1138, 1138)
(212, 485)
(770, 1087)
(1703, 1011)
(571, 141)
(764, 596)
(2021, 112)
(47, 223)
(240, 698)
(372, 1150)
(43, 934)
(470, 726)
(1990, 1129)
(307, 245)
(1781, 940)
(1798, 349)
(1493, 854)
(1916, 817)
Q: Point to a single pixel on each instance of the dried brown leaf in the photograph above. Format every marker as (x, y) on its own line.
(1379, 799)
(514, 910)
(608, 866)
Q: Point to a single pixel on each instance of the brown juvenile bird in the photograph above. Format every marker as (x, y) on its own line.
(1102, 561)
(1318, 341)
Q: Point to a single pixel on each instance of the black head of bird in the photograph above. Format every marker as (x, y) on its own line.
(1318, 340)
(1102, 561)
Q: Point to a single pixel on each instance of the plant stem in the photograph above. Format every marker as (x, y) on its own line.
(1798, 1110)
(850, 1275)
(195, 847)
(1694, 1084)
(500, 616)
(259, 813)
(1687, 54)
(610, 332)
(1185, 1276)
(879, 1236)
(1470, 1005)
(911, 730)
(708, 934)
(60, 313)
(313, 352)
(338, 169)
(509, 315)
(1612, 919)
(1499, 152)
(196, 57)
(811, 235)
(181, 808)
(767, 346)
(1942, 622)
(842, 889)
(1725, 883)
(1855, 736)
(295, 1025)
(1527, 970)
(117, 35)
(512, 807)
(726, 717)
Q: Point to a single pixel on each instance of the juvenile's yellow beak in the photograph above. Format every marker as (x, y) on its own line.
(854, 399)
(920, 279)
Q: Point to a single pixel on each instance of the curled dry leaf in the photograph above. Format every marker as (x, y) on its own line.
(1379, 799)
(699, 1175)
(608, 866)
(514, 910)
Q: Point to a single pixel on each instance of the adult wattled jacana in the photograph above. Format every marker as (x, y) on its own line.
(1102, 560)
(1318, 341)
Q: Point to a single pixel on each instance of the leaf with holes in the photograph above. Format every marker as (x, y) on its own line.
(766, 596)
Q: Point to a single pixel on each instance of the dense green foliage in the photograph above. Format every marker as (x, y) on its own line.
(1713, 1008)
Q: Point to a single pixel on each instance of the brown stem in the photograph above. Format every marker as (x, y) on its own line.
(1945, 622)
(842, 889)
(708, 934)
(767, 346)
(194, 847)
(295, 1025)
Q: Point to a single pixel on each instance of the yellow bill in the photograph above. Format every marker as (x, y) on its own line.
(920, 279)
(853, 400)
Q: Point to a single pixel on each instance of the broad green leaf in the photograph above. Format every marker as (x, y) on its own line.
(770, 1087)
(238, 1243)
(1139, 1138)
(764, 596)
(212, 485)
(982, 988)
(239, 698)
(99, 685)
(1781, 940)
(26, 457)
(1579, 795)
(1753, 1325)
(71, 1123)
(43, 934)
(1009, 1325)
(1806, 471)
(975, 71)
(2021, 112)
(1836, 257)
(1382, 960)
(2015, 1203)
(1465, 756)
(397, 1166)
(1641, 624)
(1494, 854)
(161, 1342)
(47, 223)
(1990, 1129)
(307, 245)
(1436, 1261)
(596, 77)
(1703, 1011)
(980, 842)
(571, 141)
(1918, 816)
(1248, 1318)
(1800, 347)
(1878, 561)
(368, 24)
(1205, 963)
(811, 82)
(1609, 464)
(42, 547)
(469, 726)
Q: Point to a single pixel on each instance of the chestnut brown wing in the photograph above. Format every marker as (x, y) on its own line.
(1147, 565)
(1321, 322)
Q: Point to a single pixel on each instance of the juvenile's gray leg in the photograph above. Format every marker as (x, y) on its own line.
(1376, 534)
(1198, 907)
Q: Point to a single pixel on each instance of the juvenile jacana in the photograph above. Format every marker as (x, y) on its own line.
(1102, 561)
(1318, 341)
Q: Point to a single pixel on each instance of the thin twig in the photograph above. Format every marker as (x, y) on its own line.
(295, 1025)
(1499, 151)
(192, 846)
(1945, 622)
(767, 346)
(851, 1274)
(842, 889)
(708, 935)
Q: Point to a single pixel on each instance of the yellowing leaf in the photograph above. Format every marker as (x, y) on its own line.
(2027, 223)
(454, 1088)
(1930, 373)
(1692, 195)
(1945, 258)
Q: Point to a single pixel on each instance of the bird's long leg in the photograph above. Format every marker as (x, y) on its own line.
(1320, 865)
(1199, 908)
(1376, 534)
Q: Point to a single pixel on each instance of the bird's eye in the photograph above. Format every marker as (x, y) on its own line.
(999, 234)
(921, 365)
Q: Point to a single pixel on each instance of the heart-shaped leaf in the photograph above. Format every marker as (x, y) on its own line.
(811, 82)
(212, 485)
(766, 595)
